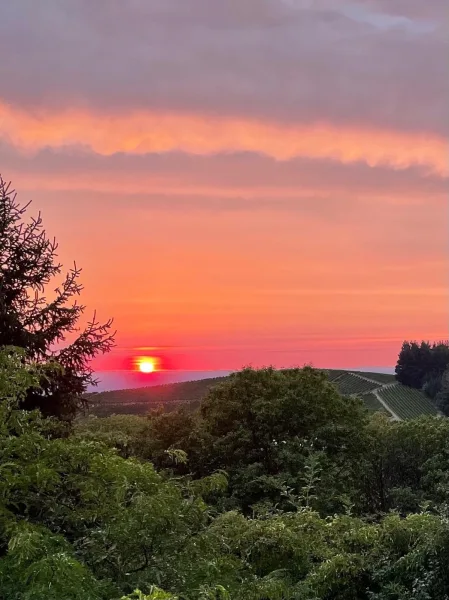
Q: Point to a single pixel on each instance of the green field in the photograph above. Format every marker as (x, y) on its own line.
(406, 402)
(382, 378)
(372, 403)
(349, 384)
(334, 374)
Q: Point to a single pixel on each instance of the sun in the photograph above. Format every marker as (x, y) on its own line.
(146, 365)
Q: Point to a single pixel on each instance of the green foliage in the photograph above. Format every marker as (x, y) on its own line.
(15, 378)
(261, 426)
(126, 523)
(73, 511)
(344, 507)
(403, 465)
(126, 433)
(42, 565)
(154, 593)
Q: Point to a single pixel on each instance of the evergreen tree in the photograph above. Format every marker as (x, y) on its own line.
(414, 363)
(40, 324)
(422, 365)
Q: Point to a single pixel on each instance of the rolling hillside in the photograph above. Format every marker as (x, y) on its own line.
(379, 391)
(142, 400)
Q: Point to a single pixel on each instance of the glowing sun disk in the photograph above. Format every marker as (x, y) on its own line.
(146, 365)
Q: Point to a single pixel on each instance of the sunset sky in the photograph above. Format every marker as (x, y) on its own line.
(242, 181)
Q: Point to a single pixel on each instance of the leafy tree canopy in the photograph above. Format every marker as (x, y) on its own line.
(263, 426)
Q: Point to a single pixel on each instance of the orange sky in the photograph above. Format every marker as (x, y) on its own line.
(263, 195)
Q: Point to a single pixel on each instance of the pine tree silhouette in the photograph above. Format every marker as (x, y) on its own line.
(40, 324)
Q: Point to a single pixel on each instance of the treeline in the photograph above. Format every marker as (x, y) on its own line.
(424, 366)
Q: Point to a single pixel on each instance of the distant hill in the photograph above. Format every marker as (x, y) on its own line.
(142, 400)
(379, 392)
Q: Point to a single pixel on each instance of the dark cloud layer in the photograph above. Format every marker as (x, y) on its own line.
(249, 173)
(373, 62)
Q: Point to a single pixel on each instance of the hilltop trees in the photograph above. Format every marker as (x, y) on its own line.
(414, 362)
(38, 323)
(422, 365)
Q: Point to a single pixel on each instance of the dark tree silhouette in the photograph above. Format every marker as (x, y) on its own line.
(40, 324)
(422, 366)
(414, 363)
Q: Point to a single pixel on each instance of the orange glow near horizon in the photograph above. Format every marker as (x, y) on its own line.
(247, 283)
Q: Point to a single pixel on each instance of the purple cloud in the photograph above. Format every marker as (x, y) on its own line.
(377, 63)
